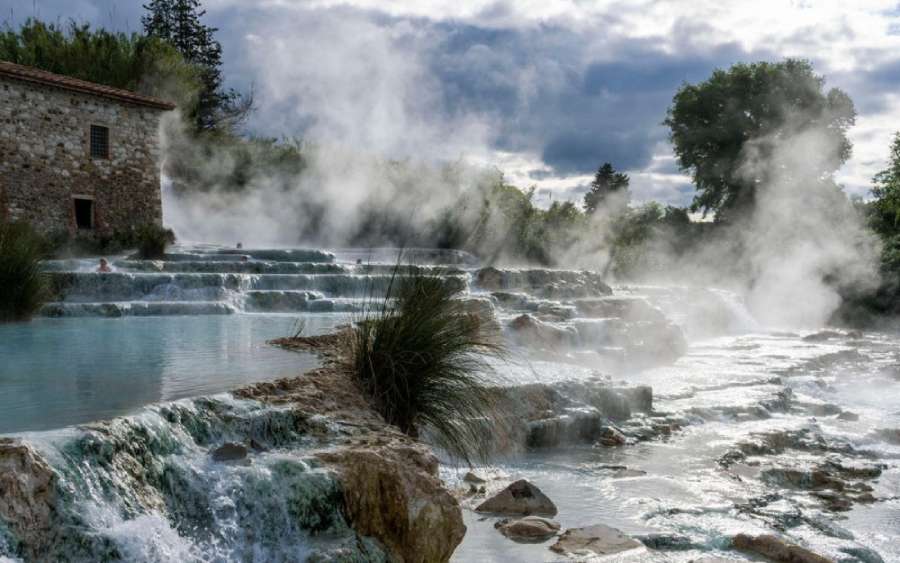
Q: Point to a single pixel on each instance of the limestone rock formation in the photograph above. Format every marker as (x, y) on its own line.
(521, 497)
(392, 493)
(28, 495)
(594, 540)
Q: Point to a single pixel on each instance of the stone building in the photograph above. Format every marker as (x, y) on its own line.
(75, 156)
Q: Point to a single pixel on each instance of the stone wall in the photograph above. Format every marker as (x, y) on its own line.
(45, 159)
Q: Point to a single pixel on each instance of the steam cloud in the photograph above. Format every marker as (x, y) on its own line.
(363, 95)
(366, 101)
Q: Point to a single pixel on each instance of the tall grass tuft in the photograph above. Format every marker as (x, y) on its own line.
(23, 288)
(422, 358)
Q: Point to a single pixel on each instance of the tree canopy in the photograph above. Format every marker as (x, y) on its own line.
(711, 123)
(606, 182)
(886, 194)
(130, 61)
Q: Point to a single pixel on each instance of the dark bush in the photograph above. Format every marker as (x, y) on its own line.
(23, 288)
(152, 241)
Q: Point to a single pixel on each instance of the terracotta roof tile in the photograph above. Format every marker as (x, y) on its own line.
(29, 74)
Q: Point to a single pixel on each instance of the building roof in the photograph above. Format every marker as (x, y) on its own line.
(30, 74)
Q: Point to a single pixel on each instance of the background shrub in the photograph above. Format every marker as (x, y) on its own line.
(152, 241)
(23, 288)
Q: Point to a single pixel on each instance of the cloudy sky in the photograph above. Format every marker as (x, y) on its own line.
(545, 89)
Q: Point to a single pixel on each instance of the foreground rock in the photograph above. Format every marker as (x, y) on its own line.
(776, 549)
(520, 497)
(392, 493)
(594, 540)
(528, 529)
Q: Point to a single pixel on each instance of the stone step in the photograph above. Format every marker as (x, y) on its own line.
(136, 309)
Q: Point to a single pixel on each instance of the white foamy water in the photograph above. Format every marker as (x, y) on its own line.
(727, 391)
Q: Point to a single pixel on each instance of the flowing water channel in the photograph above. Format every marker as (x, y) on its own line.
(748, 430)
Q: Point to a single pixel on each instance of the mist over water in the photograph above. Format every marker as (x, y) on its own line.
(800, 242)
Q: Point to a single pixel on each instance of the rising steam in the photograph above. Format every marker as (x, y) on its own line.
(379, 141)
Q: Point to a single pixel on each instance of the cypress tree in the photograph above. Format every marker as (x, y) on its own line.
(178, 22)
(606, 182)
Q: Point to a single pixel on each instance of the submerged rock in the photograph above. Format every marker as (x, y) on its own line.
(822, 335)
(521, 497)
(230, 452)
(627, 472)
(528, 529)
(611, 437)
(776, 549)
(667, 542)
(594, 540)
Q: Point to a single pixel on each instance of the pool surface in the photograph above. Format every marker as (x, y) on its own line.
(60, 372)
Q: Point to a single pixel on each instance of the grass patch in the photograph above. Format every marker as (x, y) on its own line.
(23, 288)
(422, 359)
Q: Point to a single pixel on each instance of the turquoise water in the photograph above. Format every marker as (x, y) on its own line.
(59, 372)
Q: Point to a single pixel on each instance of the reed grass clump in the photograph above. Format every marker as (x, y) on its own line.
(23, 287)
(422, 359)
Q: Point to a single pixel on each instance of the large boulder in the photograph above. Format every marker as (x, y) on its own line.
(528, 529)
(594, 540)
(520, 497)
(392, 493)
(776, 549)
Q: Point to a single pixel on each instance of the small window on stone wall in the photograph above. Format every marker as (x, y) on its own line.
(84, 213)
(99, 141)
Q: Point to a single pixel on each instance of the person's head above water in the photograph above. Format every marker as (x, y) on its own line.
(240, 245)
(104, 266)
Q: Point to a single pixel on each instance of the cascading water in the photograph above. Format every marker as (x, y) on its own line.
(727, 427)
(145, 488)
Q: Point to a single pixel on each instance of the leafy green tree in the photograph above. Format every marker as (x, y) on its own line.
(178, 22)
(711, 123)
(885, 209)
(606, 183)
(134, 62)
